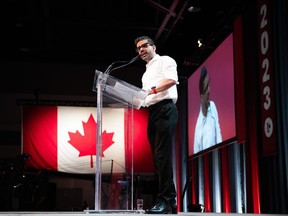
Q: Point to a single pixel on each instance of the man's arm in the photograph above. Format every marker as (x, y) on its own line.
(163, 85)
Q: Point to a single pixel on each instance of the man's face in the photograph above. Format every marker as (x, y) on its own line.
(206, 92)
(145, 50)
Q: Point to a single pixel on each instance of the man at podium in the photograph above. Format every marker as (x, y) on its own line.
(160, 80)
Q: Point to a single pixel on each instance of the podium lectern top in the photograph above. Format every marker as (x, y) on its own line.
(119, 90)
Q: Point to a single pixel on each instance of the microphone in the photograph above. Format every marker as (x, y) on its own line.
(126, 63)
(136, 58)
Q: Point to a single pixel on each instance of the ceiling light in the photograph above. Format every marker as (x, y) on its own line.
(200, 42)
(193, 9)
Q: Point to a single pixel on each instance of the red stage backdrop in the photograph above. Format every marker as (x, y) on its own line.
(62, 138)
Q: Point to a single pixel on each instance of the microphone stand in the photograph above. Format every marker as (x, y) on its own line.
(126, 63)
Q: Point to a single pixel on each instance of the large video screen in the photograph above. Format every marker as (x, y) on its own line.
(211, 107)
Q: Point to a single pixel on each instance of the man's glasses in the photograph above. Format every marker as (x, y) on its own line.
(145, 45)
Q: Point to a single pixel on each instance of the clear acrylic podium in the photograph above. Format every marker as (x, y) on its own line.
(116, 188)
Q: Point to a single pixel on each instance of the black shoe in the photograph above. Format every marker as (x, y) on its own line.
(174, 209)
(160, 208)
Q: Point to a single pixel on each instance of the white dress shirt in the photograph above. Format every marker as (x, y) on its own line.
(159, 68)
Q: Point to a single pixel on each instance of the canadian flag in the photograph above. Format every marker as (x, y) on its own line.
(63, 138)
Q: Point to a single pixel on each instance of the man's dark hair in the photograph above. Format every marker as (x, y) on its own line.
(149, 40)
(203, 74)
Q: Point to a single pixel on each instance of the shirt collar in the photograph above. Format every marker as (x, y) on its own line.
(155, 58)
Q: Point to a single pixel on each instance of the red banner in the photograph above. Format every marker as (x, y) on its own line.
(267, 83)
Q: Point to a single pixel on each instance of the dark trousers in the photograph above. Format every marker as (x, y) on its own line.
(163, 117)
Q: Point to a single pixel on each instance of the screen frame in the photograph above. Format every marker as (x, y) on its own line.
(222, 58)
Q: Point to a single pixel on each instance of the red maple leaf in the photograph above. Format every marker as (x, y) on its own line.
(86, 144)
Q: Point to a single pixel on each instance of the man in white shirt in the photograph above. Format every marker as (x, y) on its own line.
(159, 80)
(207, 130)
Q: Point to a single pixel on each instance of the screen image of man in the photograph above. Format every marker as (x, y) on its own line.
(207, 130)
